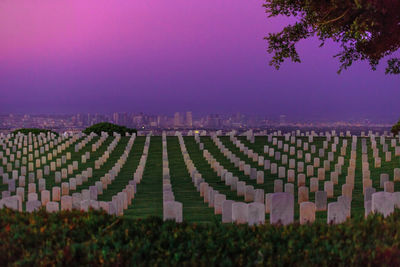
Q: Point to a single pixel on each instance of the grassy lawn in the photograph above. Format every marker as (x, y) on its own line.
(148, 199)
(194, 208)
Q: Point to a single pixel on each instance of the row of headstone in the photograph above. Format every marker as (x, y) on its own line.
(103, 159)
(53, 166)
(30, 141)
(238, 212)
(31, 176)
(122, 199)
(248, 191)
(205, 191)
(82, 177)
(321, 196)
(62, 194)
(110, 176)
(78, 201)
(38, 147)
(310, 168)
(82, 144)
(381, 202)
(138, 175)
(172, 210)
(252, 173)
(99, 142)
(33, 159)
(332, 133)
(252, 213)
(280, 206)
(212, 197)
(385, 183)
(39, 162)
(303, 191)
(20, 177)
(275, 169)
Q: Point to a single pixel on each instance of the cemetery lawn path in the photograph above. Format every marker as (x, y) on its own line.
(127, 171)
(224, 161)
(148, 198)
(97, 174)
(207, 172)
(194, 208)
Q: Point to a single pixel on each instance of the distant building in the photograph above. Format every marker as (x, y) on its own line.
(116, 118)
(189, 119)
(282, 119)
(123, 119)
(137, 120)
(238, 117)
(213, 121)
(177, 119)
(162, 121)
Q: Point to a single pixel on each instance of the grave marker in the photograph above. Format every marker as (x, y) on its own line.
(282, 208)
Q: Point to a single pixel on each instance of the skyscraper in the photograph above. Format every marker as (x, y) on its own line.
(116, 118)
(177, 119)
(189, 119)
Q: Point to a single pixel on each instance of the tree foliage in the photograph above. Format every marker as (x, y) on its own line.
(396, 128)
(366, 30)
(108, 128)
(35, 131)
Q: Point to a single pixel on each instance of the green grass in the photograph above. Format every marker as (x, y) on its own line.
(194, 208)
(208, 174)
(76, 156)
(114, 157)
(148, 198)
(49, 178)
(126, 173)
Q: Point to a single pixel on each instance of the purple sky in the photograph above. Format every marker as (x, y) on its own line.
(164, 56)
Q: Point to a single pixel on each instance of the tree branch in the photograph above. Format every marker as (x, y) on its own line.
(335, 19)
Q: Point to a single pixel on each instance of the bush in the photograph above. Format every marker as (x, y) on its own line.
(95, 238)
(108, 128)
(396, 128)
(35, 131)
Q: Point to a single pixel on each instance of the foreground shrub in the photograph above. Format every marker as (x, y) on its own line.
(108, 128)
(95, 238)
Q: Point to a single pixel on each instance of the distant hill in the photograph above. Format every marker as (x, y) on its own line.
(109, 128)
(35, 131)
(396, 128)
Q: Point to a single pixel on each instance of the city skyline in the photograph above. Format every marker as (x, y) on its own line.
(178, 121)
(195, 115)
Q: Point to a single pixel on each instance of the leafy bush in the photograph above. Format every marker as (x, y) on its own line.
(35, 131)
(95, 238)
(109, 128)
(396, 128)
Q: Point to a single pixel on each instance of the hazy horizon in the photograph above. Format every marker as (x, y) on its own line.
(159, 57)
(276, 117)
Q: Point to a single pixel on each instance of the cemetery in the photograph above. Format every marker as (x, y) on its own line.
(178, 133)
(254, 185)
(295, 177)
